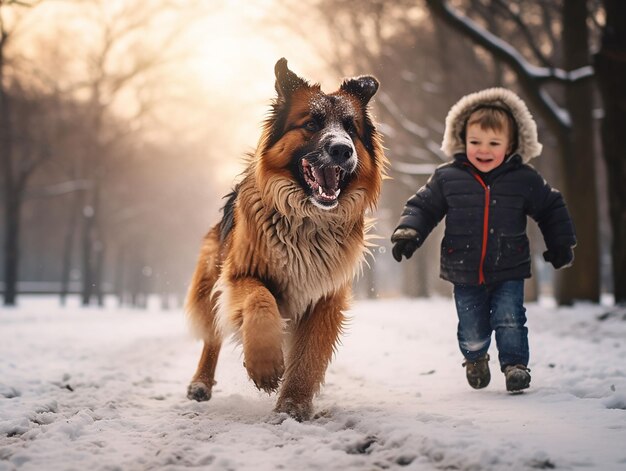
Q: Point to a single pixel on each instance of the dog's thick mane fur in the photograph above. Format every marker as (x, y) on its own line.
(300, 250)
(313, 250)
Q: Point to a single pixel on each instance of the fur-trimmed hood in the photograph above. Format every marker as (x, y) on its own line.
(528, 145)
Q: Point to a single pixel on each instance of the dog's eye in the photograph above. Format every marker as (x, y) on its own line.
(311, 126)
(350, 128)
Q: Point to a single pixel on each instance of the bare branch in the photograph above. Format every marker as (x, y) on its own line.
(60, 189)
(412, 128)
(409, 168)
(521, 26)
(547, 12)
(18, 20)
(531, 77)
(409, 126)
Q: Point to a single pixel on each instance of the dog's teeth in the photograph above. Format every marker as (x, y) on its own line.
(337, 192)
(319, 190)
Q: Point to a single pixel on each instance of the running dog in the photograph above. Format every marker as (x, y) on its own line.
(276, 271)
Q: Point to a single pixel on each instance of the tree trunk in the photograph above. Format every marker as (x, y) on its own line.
(118, 283)
(90, 246)
(98, 272)
(581, 281)
(11, 248)
(87, 254)
(68, 246)
(532, 284)
(11, 197)
(610, 64)
(423, 259)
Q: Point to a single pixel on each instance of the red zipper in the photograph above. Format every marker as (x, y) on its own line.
(483, 253)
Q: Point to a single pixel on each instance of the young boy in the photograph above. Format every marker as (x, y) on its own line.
(485, 192)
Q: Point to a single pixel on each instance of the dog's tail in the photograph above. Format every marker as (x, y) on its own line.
(228, 214)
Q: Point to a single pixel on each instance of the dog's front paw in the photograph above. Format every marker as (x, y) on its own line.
(265, 368)
(300, 411)
(198, 391)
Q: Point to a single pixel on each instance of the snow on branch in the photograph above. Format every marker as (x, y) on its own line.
(412, 128)
(409, 126)
(409, 168)
(531, 77)
(524, 30)
(61, 189)
(572, 76)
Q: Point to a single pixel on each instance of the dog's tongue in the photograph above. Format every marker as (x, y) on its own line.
(326, 177)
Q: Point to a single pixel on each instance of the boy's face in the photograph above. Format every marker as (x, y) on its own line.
(486, 148)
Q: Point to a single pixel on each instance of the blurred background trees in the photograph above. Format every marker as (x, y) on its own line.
(112, 145)
(92, 198)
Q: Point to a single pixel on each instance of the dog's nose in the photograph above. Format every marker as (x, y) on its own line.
(339, 152)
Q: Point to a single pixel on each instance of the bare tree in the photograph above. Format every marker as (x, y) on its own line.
(610, 63)
(19, 157)
(124, 32)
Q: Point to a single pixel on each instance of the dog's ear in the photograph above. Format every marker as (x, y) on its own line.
(363, 87)
(286, 81)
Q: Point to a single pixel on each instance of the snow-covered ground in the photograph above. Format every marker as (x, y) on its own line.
(104, 389)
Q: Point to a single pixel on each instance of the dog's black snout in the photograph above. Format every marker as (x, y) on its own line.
(339, 152)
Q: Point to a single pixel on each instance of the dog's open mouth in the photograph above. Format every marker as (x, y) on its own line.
(324, 182)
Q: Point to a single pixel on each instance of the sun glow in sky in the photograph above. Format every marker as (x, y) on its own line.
(218, 76)
(236, 49)
(238, 46)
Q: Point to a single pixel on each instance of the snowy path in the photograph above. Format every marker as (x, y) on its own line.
(104, 390)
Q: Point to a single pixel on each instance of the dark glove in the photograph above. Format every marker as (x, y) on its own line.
(405, 241)
(560, 256)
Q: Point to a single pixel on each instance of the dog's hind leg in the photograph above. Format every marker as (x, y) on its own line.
(201, 310)
(261, 328)
(313, 345)
(203, 381)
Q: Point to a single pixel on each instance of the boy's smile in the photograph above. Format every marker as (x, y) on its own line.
(486, 148)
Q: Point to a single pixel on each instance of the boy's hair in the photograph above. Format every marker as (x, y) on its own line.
(495, 118)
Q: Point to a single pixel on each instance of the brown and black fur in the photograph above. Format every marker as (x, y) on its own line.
(276, 271)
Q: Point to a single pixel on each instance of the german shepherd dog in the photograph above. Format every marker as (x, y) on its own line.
(276, 271)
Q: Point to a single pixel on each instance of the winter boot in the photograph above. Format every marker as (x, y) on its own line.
(517, 377)
(477, 372)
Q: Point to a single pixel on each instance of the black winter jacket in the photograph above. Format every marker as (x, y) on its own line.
(485, 237)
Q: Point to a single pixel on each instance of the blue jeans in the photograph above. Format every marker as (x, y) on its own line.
(498, 307)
